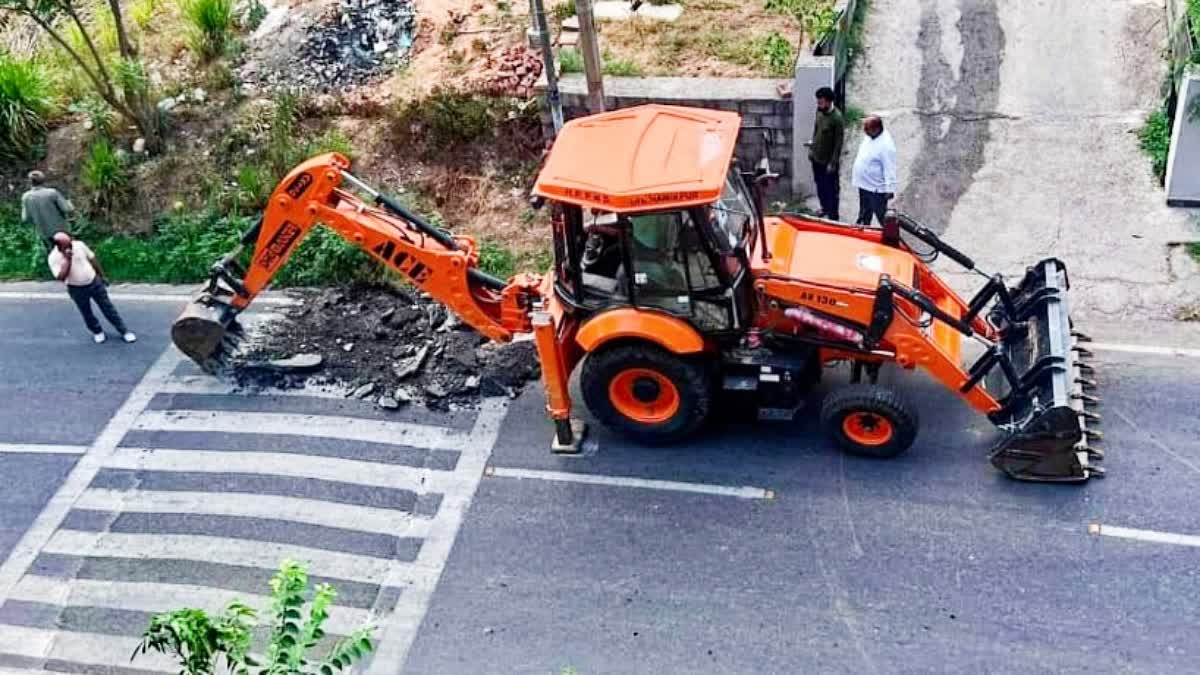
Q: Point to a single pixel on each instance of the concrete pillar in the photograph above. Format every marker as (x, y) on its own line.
(812, 73)
(1183, 164)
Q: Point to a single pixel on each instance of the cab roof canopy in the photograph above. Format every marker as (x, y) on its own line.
(643, 158)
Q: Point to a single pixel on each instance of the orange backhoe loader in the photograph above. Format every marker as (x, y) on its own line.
(672, 289)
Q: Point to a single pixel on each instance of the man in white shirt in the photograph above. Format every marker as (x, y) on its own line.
(874, 171)
(74, 264)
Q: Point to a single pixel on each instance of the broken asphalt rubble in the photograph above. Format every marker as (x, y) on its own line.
(390, 345)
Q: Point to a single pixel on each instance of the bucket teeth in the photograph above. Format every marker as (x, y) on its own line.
(1094, 453)
(1087, 399)
(1094, 434)
(1087, 384)
(1083, 351)
(1080, 336)
(1090, 416)
(1085, 367)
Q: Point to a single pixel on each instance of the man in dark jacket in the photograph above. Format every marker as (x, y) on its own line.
(45, 208)
(825, 152)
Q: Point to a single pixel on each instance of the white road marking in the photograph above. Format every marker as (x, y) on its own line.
(154, 598)
(86, 648)
(398, 631)
(40, 448)
(1142, 349)
(285, 464)
(223, 550)
(1144, 535)
(43, 527)
(745, 492)
(207, 384)
(253, 505)
(322, 426)
(139, 297)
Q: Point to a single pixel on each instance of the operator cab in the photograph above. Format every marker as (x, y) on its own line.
(670, 236)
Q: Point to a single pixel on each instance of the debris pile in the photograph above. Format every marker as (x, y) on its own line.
(513, 72)
(390, 345)
(352, 43)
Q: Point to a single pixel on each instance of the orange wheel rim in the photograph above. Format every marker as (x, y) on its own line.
(644, 395)
(867, 428)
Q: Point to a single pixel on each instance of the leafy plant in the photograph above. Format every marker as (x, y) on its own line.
(621, 68)
(255, 13)
(815, 17)
(103, 174)
(212, 24)
(253, 187)
(570, 60)
(201, 642)
(444, 119)
(776, 52)
(1155, 140)
(142, 12)
(25, 104)
(562, 11)
(101, 116)
(496, 260)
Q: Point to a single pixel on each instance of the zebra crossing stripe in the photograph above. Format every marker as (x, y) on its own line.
(86, 648)
(207, 384)
(155, 598)
(43, 527)
(296, 509)
(398, 631)
(206, 548)
(324, 426)
(375, 474)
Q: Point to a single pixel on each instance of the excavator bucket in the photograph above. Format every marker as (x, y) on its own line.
(207, 332)
(1039, 372)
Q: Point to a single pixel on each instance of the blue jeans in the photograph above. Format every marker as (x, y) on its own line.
(83, 297)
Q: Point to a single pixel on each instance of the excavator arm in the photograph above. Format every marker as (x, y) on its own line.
(322, 191)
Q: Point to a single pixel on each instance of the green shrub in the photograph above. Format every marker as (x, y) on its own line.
(444, 119)
(562, 11)
(21, 253)
(97, 112)
(570, 60)
(496, 260)
(777, 55)
(212, 23)
(103, 174)
(621, 68)
(255, 13)
(25, 105)
(142, 12)
(1155, 138)
(201, 642)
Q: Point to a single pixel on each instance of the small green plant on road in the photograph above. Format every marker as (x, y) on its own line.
(202, 642)
(1155, 138)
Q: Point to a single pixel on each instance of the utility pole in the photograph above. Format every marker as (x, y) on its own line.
(553, 101)
(589, 45)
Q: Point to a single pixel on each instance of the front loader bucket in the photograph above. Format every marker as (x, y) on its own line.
(1038, 374)
(206, 332)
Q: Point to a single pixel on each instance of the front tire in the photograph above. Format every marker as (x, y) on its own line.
(869, 420)
(646, 393)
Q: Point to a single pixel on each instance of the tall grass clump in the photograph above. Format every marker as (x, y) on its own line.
(212, 25)
(26, 102)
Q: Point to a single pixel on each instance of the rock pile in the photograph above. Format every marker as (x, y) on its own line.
(393, 346)
(353, 43)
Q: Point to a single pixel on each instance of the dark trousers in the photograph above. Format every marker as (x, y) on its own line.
(827, 189)
(83, 297)
(871, 204)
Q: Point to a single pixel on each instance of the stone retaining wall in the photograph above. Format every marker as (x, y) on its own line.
(766, 116)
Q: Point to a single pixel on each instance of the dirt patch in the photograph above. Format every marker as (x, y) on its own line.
(392, 345)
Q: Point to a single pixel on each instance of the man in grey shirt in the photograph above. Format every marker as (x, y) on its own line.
(45, 207)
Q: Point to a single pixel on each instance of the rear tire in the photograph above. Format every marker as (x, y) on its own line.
(646, 393)
(869, 420)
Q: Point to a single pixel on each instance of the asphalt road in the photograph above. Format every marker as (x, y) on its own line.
(928, 563)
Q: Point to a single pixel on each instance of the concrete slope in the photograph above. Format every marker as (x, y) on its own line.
(1015, 122)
